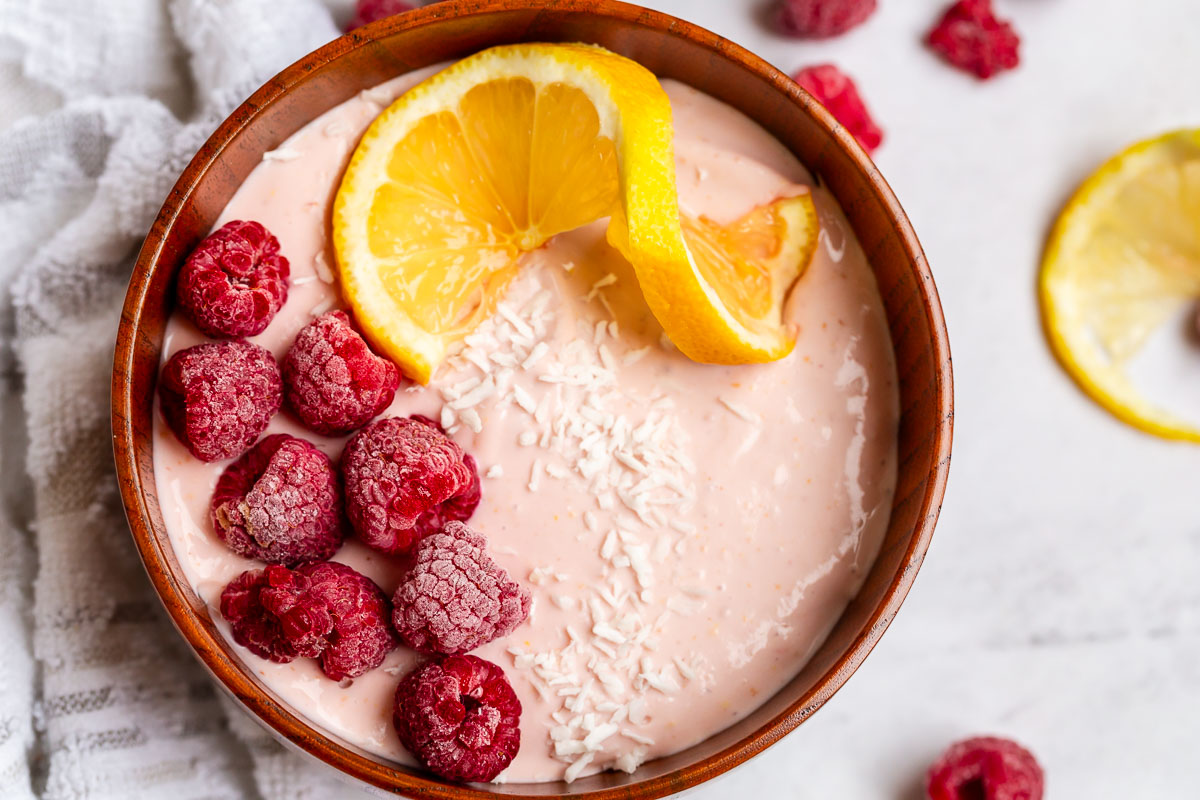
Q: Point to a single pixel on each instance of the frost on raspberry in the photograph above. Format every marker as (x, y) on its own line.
(819, 19)
(460, 717)
(458, 508)
(455, 598)
(332, 380)
(361, 636)
(985, 768)
(281, 502)
(218, 397)
(234, 282)
(394, 471)
(368, 11)
(970, 37)
(327, 611)
(833, 89)
(254, 627)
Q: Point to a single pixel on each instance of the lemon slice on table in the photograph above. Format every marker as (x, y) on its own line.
(1124, 257)
(496, 154)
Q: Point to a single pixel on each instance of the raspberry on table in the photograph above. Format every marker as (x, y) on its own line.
(368, 11)
(455, 598)
(970, 37)
(460, 717)
(332, 380)
(327, 611)
(217, 397)
(394, 471)
(819, 19)
(234, 282)
(833, 89)
(281, 502)
(985, 768)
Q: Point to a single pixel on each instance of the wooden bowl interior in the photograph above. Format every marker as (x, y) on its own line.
(670, 49)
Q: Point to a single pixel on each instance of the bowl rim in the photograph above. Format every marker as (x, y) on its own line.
(309, 737)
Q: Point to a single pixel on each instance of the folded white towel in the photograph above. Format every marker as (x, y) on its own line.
(118, 707)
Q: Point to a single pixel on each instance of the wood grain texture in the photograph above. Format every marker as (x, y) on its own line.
(670, 48)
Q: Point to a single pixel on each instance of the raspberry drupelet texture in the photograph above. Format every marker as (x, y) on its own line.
(332, 380)
(970, 37)
(360, 610)
(394, 471)
(327, 611)
(281, 502)
(460, 507)
(833, 89)
(455, 597)
(218, 397)
(254, 628)
(368, 11)
(234, 282)
(986, 768)
(460, 717)
(819, 19)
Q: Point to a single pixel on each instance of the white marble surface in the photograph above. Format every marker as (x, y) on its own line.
(1059, 603)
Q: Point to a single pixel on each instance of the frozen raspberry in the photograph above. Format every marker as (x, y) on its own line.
(833, 89)
(280, 502)
(460, 507)
(460, 717)
(327, 611)
(819, 19)
(254, 627)
(971, 38)
(986, 768)
(361, 636)
(368, 11)
(456, 598)
(395, 470)
(332, 380)
(457, 509)
(234, 282)
(219, 396)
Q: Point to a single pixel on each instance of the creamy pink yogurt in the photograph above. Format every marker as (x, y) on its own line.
(690, 533)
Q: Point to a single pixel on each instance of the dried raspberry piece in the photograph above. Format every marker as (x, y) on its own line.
(971, 38)
(460, 507)
(460, 717)
(820, 19)
(280, 502)
(219, 396)
(368, 11)
(395, 470)
(985, 768)
(332, 380)
(456, 598)
(234, 282)
(327, 611)
(833, 89)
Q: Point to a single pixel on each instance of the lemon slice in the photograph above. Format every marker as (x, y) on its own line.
(719, 296)
(488, 159)
(1124, 256)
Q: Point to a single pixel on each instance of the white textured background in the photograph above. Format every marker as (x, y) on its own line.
(1059, 602)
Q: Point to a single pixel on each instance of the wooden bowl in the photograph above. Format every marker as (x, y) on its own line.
(671, 48)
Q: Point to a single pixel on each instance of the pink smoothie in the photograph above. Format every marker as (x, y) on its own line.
(690, 533)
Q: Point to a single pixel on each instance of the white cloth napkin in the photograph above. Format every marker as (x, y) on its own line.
(98, 696)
